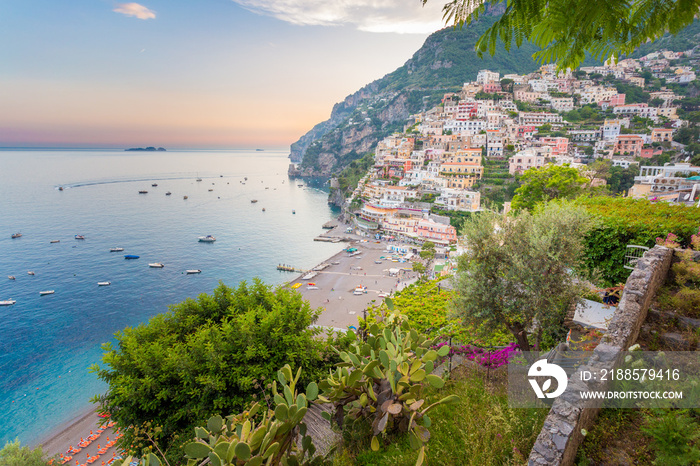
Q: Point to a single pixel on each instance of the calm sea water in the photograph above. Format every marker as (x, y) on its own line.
(48, 342)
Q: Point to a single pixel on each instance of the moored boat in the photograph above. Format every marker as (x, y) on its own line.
(116, 249)
(44, 293)
(207, 239)
(104, 283)
(60, 188)
(130, 256)
(17, 235)
(30, 273)
(154, 184)
(192, 271)
(11, 277)
(294, 211)
(8, 302)
(184, 197)
(55, 241)
(79, 237)
(156, 265)
(143, 192)
(253, 201)
(168, 193)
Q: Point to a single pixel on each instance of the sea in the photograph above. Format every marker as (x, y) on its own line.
(48, 343)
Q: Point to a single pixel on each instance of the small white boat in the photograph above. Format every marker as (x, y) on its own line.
(156, 265)
(11, 277)
(79, 237)
(104, 283)
(116, 249)
(44, 293)
(207, 239)
(9, 302)
(192, 271)
(313, 287)
(30, 273)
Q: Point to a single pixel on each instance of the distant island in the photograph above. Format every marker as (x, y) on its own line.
(150, 149)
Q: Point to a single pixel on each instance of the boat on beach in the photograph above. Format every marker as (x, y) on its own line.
(156, 265)
(104, 283)
(192, 271)
(9, 302)
(116, 249)
(130, 256)
(206, 239)
(44, 293)
(17, 235)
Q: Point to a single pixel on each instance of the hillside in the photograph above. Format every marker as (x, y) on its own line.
(444, 62)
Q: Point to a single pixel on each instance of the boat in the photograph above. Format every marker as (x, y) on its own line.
(253, 201)
(263, 209)
(30, 273)
(130, 256)
(104, 283)
(156, 265)
(207, 239)
(55, 241)
(116, 249)
(79, 237)
(300, 185)
(193, 271)
(168, 193)
(143, 192)
(44, 293)
(154, 185)
(296, 285)
(60, 188)
(9, 302)
(245, 178)
(199, 179)
(294, 211)
(210, 190)
(11, 277)
(17, 235)
(184, 197)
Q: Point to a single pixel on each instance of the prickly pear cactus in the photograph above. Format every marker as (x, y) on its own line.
(240, 440)
(382, 380)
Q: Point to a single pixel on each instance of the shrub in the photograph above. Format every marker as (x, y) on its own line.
(13, 454)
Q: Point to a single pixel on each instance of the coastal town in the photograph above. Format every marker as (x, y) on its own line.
(519, 122)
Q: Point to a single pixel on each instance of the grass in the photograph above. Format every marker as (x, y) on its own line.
(616, 438)
(479, 430)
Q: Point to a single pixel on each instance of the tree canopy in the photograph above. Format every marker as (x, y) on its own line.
(517, 271)
(206, 356)
(568, 30)
(547, 183)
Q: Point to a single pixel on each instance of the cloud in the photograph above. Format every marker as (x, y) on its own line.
(134, 9)
(397, 16)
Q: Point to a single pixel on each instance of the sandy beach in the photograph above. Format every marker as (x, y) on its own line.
(336, 282)
(72, 432)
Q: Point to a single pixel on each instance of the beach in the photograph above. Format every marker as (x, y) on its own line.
(334, 286)
(73, 432)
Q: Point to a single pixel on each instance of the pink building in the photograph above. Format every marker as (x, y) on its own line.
(629, 144)
(492, 87)
(430, 230)
(559, 145)
(526, 132)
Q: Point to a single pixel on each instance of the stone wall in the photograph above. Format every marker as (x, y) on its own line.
(562, 434)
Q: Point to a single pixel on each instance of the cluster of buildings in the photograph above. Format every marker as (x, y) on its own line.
(441, 153)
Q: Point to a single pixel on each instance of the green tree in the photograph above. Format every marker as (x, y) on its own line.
(13, 454)
(517, 271)
(568, 30)
(547, 183)
(207, 356)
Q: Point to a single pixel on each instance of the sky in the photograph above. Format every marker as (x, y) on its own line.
(192, 74)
